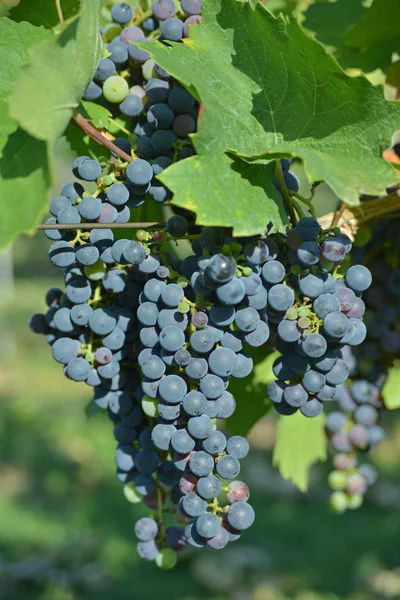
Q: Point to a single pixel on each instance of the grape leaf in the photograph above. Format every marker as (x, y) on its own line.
(24, 171)
(250, 393)
(391, 388)
(287, 7)
(224, 190)
(49, 89)
(336, 23)
(269, 90)
(24, 179)
(300, 442)
(15, 39)
(379, 25)
(43, 12)
(95, 113)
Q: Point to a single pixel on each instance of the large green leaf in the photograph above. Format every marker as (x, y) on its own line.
(391, 388)
(49, 88)
(43, 12)
(226, 191)
(345, 25)
(15, 39)
(379, 25)
(250, 393)
(24, 181)
(300, 442)
(269, 90)
(24, 171)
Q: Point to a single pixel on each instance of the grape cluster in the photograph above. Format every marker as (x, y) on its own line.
(158, 340)
(158, 112)
(351, 430)
(382, 346)
(119, 189)
(315, 312)
(355, 428)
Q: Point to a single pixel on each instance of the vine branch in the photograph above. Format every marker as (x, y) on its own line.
(98, 137)
(70, 227)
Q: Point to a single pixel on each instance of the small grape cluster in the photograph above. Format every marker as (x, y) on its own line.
(351, 430)
(382, 346)
(315, 312)
(159, 114)
(355, 429)
(120, 188)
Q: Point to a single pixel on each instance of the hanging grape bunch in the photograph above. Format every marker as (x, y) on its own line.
(355, 430)
(315, 313)
(160, 339)
(352, 431)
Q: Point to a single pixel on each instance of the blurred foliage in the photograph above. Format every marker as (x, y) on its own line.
(66, 531)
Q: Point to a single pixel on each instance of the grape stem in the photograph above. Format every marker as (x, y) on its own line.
(98, 137)
(142, 17)
(306, 201)
(60, 13)
(298, 208)
(284, 191)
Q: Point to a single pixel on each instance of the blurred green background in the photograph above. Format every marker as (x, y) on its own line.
(66, 530)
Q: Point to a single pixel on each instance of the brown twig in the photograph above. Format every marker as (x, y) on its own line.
(98, 137)
(338, 215)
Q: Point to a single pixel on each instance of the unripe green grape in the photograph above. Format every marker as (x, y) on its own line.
(183, 307)
(150, 406)
(166, 559)
(95, 272)
(355, 501)
(292, 313)
(338, 502)
(182, 282)
(304, 311)
(337, 480)
(89, 356)
(141, 235)
(111, 31)
(247, 271)
(131, 494)
(147, 69)
(115, 89)
(107, 179)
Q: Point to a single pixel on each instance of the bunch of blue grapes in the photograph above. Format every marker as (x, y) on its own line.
(353, 429)
(314, 310)
(382, 345)
(158, 112)
(159, 340)
(121, 188)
